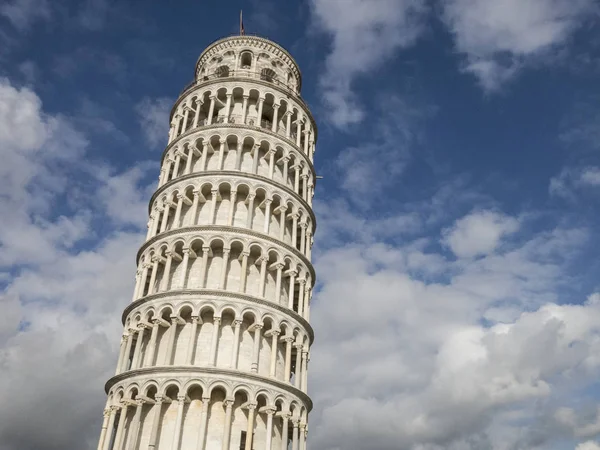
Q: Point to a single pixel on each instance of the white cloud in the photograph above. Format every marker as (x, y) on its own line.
(61, 304)
(479, 233)
(153, 116)
(403, 361)
(572, 179)
(23, 13)
(364, 35)
(499, 37)
(589, 445)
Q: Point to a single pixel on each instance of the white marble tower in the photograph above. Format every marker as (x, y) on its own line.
(216, 341)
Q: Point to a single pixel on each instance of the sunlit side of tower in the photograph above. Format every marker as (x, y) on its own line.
(216, 341)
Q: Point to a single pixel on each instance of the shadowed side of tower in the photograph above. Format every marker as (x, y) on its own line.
(216, 341)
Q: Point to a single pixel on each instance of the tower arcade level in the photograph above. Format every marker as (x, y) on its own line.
(216, 341)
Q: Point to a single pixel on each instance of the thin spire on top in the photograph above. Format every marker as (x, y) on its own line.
(242, 31)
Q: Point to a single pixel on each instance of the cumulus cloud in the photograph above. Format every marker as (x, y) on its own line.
(403, 360)
(61, 300)
(498, 38)
(23, 13)
(153, 116)
(479, 233)
(572, 180)
(589, 445)
(364, 35)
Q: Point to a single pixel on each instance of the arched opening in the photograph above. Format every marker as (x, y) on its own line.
(246, 60)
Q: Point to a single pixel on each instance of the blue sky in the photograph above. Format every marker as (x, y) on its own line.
(457, 304)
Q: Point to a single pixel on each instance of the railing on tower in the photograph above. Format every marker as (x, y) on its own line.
(250, 121)
(242, 74)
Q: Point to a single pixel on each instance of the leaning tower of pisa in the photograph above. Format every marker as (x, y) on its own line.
(216, 340)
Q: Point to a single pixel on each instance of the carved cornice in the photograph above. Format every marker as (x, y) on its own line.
(251, 41)
(236, 174)
(225, 229)
(220, 293)
(168, 370)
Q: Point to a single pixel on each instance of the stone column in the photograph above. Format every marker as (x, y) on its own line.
(152, 344)
(122, 348)
(288, 126)
(274, 343)
(204, 156)
(267, 215)
(186, 115)
(303, 370)
(261, 102)
(292, 286)
(110, 427)
(236, 343)
(302, 433)
(227, 430)
(238, 156)
(227, 108)
(120, 427)
(213, 205)
(295, 424)
(298, 132)
(286, 170)
(306, 135)
(178, 211)
(153, 444)
(124, 363)
(194, 209)
(284, 431)
(305, 187)
(279, 268)
(269, 438)
(297, 375)
(275, 118)
(164, 285)
(105, 420)
(250, 427)
(244, 274)
(177, 162)
(204, 266)
(250, 199)
(165, 218)
(232, 199)
(171, 341)
(263, 276)
(244, 112)
(138, 347)
(197, 115)
(283, 215)
(135, 424)
(203, 423)
(222, 143)
(297, 179)
(256, 348)
(255, 156)
(288, 358)
(223, 278)
(295, 230)
(184, 266)
(211, 110)
(301, 296)
(303, 226)
(192, 343)
(155, 222)
(178, 421)
(214, 342)
(271, 163)
(153, 276)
